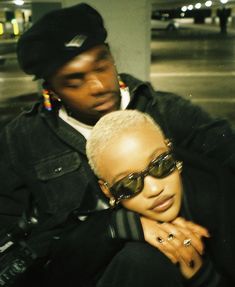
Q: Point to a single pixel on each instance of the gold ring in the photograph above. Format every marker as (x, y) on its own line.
(187, 242)
(170, 236)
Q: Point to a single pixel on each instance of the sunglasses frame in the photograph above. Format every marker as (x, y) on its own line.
(141, 175)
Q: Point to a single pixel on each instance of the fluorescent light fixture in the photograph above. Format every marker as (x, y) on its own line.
(19, 2)
(15, 26)
(198, 5)
(1, 29)
(208, 3)
(190, 7)
(184, 9)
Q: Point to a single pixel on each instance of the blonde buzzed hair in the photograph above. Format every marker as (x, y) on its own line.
(109, 127)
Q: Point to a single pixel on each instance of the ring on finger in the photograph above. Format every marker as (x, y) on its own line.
(170, 236)
(160, 239)
(187, 242)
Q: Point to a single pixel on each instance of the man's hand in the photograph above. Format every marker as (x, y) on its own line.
(180, 241)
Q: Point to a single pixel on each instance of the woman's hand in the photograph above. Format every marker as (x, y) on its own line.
(179, 240)
(199, 230)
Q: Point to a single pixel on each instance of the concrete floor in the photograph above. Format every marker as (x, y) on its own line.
(198, 64)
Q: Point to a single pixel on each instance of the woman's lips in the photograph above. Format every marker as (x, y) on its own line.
(162, 203)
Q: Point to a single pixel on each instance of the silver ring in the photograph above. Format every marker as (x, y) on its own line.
(187, 242)
(170, 236)
(160, 239)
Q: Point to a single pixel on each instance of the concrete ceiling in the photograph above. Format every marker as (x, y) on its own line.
(168, 4)
(157, 4)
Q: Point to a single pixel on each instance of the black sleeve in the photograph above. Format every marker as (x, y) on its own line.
(88, 246)
(125, 224)
(14, 194)
(190, 127)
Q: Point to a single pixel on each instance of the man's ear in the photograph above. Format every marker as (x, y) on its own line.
(47, 85)
(104, 188)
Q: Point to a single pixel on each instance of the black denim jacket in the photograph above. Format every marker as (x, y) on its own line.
(43, 156)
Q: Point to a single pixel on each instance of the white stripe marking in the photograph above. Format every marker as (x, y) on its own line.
(213, 100)
(15, 79)
(194, 74)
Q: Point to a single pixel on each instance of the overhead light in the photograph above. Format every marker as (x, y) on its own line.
(224, 1)
(198, 5)
(190, 7)
(184, 8)
(19, 2)
(208, 3)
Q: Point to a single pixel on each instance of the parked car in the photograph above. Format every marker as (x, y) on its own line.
(163, 22)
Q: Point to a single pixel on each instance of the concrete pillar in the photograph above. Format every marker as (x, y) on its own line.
(233, 18)
(213, 15)
(39, 8)
(128, 25)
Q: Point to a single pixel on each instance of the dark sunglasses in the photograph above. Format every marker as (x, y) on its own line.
(132, 184)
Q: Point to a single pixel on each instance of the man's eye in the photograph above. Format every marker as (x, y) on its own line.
(73, 85)
(101, 68)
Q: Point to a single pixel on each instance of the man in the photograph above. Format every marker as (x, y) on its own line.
(43, 161)
(223, 19)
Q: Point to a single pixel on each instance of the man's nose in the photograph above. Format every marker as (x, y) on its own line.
(153, 186)
(95, 85)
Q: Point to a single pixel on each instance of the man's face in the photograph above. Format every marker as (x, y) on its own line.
(160, 199)
(88, 85)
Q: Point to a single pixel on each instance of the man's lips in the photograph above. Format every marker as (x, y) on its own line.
(163, 203)
(106, 105)
(107, 102)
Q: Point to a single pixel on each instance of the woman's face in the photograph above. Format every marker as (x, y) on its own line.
(160, 198)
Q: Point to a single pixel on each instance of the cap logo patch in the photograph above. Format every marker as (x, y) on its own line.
(76, 42)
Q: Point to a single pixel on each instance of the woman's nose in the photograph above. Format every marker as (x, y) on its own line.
(153, 186)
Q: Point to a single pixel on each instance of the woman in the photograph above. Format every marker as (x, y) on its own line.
(137, 168)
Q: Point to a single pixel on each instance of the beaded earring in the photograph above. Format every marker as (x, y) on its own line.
(122, 85)
(46, 100)
(49, 99)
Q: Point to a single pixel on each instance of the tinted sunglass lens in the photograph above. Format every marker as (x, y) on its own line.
(128, 187)
(132, 184)
(163, 166)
